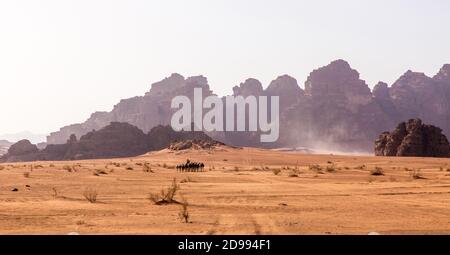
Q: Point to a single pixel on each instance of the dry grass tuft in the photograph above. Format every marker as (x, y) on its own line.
(316, 168)
(417, 175)
(166, 196)
(377, 171)
(276, 171)
(147, 168)
(90, 195)
(184, 215)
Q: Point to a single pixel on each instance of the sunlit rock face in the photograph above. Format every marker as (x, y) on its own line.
(413, 139)
(336, 109)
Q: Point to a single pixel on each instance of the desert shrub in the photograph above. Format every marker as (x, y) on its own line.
(99, 172)
(361, 167)
(377, 171)
(293, 174)
(55, 192)
(139, 164)
(276, 171)
(52, 165)
(166, 196)
(26, 175)
(38, 166)
(90, 195)
(236, 169)
(316, 168)
(183, 215)
(67, 168)
(2, 167)
(187, 179)
(331, 169)
(164, 165)
(416, 174)
(129, 168)
(147, 168)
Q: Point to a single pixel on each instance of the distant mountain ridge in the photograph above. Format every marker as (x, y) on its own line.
(336, 110)
(113, 141)
(34, 138)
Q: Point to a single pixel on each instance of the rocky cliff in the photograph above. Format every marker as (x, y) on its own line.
(336, 110)
(413, 138)
(115, 140)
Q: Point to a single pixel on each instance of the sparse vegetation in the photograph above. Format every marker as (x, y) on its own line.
(129, 168)
(183, 215)
(68, 168)
(361, 167)
(187, 179)
(2, 167)
(166, 196)
(90, 195)
(147, 168)
(26, 175)
(331, 169)
(99, 172)
(316, 168)
(276, 171)
(417, 175)
(55, 192)
(377, 171)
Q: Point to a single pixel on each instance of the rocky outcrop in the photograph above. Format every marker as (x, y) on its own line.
(22, 149)
(195, 145)
(413, 139)
(113, 141)
(336, 111)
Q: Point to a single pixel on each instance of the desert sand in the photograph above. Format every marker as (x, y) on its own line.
(241, 191)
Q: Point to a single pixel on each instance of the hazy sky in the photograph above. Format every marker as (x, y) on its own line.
(62, 60)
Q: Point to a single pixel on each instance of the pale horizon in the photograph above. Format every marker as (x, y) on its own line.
(63, 60)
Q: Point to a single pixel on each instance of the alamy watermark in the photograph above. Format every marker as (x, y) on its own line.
(235, 110)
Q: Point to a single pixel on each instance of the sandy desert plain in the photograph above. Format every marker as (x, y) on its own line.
(241, 191)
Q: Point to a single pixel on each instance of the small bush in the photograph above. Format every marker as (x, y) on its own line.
(331, 169)
(67, 168)
(183, 215)
(377, 171)
(99, 172)
(55, 192)
(276, 171)
(316, 168)
(166, 196)
(361, 167)
(147, 168)
(2, 167)
(90, 195)
(129, 168)
(187, 179)
(417, 175)
(26, 175)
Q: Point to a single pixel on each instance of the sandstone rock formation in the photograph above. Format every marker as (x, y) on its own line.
(337, 109)
(413, 139)
(195, 145)
(115, 140)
